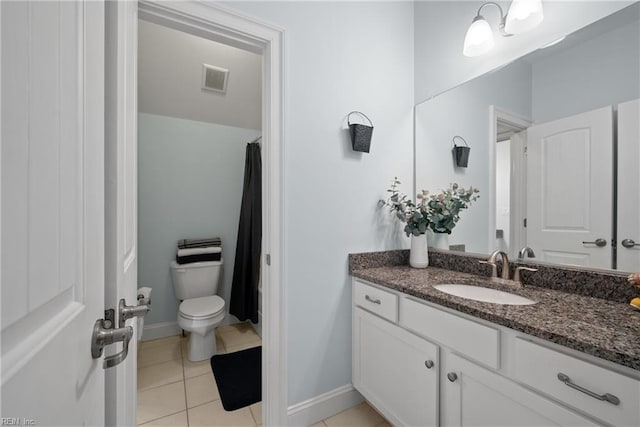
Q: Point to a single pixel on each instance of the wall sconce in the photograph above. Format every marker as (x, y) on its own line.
(523, 16)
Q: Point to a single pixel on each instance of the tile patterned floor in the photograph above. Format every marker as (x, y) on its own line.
(172, 391)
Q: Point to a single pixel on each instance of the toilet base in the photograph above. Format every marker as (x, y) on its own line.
(202, 347)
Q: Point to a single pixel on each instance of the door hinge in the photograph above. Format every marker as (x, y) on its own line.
(267, 259)
(524, 223)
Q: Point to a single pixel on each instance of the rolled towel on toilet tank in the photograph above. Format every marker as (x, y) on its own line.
(199, 243)
(199, 251)
(199, 258)
(187, 256)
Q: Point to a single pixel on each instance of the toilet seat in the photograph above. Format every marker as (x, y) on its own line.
(201, 308)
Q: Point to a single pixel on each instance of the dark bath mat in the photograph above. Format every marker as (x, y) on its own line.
(239, 377)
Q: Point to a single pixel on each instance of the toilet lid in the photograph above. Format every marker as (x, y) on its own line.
(202, 307)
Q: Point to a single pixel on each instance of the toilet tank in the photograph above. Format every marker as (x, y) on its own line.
(195, 280)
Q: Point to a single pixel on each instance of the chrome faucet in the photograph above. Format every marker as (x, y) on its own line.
(505, 269)
(505, 264)
(526, 252)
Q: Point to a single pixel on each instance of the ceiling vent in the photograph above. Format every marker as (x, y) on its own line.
(214, 78)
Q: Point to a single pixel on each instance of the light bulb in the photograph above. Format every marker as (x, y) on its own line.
(479, 38)
(523, 15)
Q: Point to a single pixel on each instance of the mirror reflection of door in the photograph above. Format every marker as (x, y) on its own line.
(628, 196)
(569, 198)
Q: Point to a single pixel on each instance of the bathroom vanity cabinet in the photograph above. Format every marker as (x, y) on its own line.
(422, 364)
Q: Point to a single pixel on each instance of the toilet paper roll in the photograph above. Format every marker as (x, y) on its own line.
(144, 295)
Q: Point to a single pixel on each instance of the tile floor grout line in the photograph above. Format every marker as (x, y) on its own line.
(159, 418)
(184, 376)
(255, 421)
(207, 403)
(160, 385)
(157, 363)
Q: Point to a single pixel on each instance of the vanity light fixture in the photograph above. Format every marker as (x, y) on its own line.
(523, 16)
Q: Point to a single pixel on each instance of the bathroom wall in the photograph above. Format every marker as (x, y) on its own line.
(464, 111)
(190, 177)
(441, 27)
(339, 57)
(609, 65)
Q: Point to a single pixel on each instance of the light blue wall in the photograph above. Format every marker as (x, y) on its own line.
(599, 72)
(464, 111)
(442, 25)
(340, 56)
(190, 177)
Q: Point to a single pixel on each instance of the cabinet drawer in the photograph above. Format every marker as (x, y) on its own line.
(472, 339)
(538, 367)
(376, 300)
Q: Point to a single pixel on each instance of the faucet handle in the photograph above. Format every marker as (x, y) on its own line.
(494, 267)
(516, 275)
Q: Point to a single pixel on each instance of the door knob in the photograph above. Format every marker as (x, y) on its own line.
(452, 376)
(428, 364)
(103, 335)
(598, 242)
(629, 243)
(128, 311)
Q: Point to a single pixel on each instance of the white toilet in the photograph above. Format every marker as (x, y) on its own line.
(201, 310)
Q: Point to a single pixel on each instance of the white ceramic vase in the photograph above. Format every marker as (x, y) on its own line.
(440, 241)
(419, 255)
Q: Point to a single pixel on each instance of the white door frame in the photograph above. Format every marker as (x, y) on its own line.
(121, 251)
(495, 114)
(214, 22)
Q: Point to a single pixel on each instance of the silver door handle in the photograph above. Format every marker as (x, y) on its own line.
(607, 397)
(128, 311)
(104, 335)
(629, 243)
(601, 243)
(428, 364)
(452, 376)
(373, 300)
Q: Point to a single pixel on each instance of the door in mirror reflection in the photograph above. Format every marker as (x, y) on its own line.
(569, 179)
(628, 200)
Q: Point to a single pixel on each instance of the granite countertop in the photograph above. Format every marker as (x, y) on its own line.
(603, 328)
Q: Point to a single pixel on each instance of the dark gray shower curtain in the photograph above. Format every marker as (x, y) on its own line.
(246, 270)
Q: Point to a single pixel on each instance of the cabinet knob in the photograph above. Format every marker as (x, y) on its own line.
(428, 364)
(452, 376)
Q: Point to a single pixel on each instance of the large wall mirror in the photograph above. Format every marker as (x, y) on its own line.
(555, 149)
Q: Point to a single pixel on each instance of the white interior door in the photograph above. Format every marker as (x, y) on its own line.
(629, 186)
(121, 261)
(52, 149)
(570, 187)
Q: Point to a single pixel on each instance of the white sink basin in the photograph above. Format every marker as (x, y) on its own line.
(478, 293)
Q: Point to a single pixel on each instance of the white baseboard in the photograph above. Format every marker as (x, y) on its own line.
(155, 331)
(323, 406)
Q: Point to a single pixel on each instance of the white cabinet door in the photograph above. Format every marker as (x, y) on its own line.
(479, 397)
(52, 211)
(395, 370)
(629, 185)
(570, 181)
